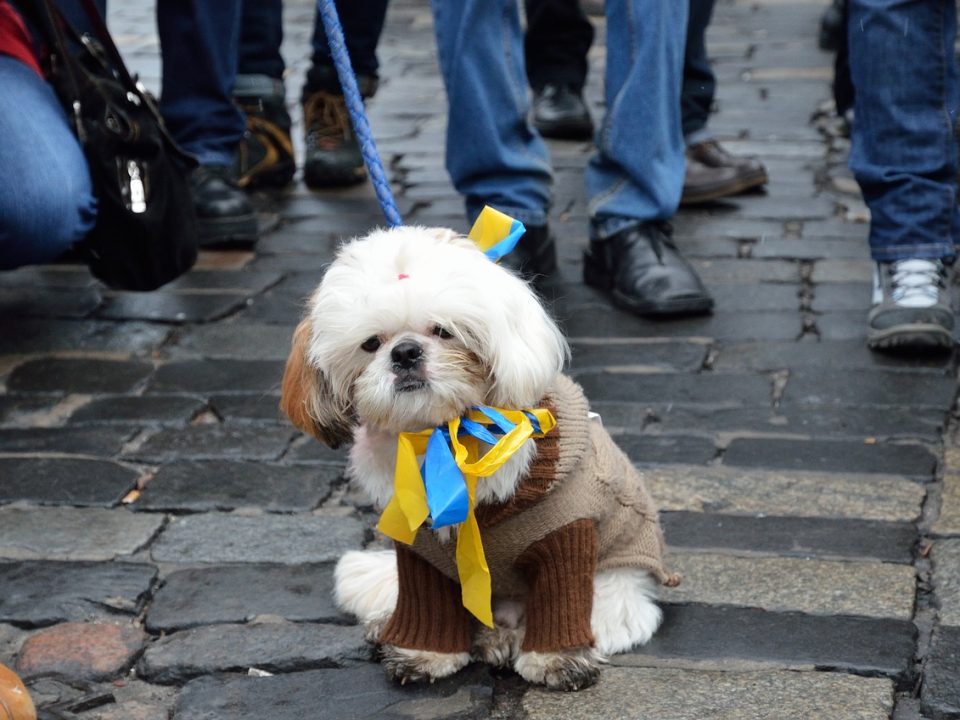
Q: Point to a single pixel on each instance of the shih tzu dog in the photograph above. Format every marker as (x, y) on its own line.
(409, 329)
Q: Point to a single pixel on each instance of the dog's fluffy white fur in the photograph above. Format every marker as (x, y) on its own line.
(474, 334)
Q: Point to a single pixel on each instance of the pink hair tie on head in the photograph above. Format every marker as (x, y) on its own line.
(403, 276)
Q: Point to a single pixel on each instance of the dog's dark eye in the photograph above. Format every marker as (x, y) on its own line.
(441, 332)
(371, 344)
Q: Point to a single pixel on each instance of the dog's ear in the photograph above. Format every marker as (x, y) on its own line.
(307, 398)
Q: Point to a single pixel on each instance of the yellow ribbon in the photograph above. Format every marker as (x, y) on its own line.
(407, 509)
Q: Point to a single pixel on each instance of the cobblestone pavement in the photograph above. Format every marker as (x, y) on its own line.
(166, 538)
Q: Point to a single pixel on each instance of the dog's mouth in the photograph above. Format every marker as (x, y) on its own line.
(409, 384)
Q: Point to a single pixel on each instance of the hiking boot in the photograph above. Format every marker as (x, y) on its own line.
(224, 212)
(265, 154)
(911, 305)
(333, 156)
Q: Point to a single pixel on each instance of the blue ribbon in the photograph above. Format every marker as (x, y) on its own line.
(508, 243)
(446, 488)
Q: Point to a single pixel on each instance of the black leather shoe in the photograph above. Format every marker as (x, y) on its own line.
(559, 112)
(535, 256)
(224, 212)
(643, 272)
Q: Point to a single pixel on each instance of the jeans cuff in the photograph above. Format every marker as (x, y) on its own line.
(530, 218)
(926, 251)
(698, 136)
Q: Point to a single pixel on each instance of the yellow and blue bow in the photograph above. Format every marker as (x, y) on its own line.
(444, 487)
(495, 233)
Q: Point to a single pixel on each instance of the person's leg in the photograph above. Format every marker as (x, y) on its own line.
(493, 155)
(712, 173)
(635, 178)
(332, 155)
(199, 51)
(264, 157)
(904, 156)
(46, 202)
(558, 39)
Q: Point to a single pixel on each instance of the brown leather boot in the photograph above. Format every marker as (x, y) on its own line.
(713, 173)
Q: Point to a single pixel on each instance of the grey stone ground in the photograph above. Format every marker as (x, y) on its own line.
(810, 489)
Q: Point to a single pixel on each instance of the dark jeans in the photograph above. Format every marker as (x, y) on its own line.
(262, 32)
(559, 36)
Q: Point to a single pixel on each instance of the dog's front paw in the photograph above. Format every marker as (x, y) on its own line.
(498, 646)
(405, 665)
(373, 627)
(564, 670)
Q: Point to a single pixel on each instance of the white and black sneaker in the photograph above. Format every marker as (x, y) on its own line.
(911, 305)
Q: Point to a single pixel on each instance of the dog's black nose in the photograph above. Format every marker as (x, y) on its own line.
(406, 354)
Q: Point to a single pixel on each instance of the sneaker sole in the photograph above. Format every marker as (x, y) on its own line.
(919, 336)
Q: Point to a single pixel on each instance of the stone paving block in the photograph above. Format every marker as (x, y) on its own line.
(825, 538)
(810, 249)
(719, 272)
(784, 584)
(842, 271)
(251, 341)
(215, 442)
(61, 533)
(11, 638)
(65, 481)
(218, 376)
(49, 302)
(276, 647)
(673, 694)
(786, 420)
(865, 646)
(103, 441)
(869, 387)
(705, 388)
(16, 408)
(948, 521)
(842, 325)
(81, 651)
(946, 579)
(843, 296)
(171, 307)
(834, 456)
(605, 323)
(224, 538)
(940, 693)
(238, 593)
(308, 450)
(22, 336)
(145, 409)
(249, 281)
(834, 354)
(654, 356)
(663, 449)
(78, 375)
(134, 700)
(257, 408)
(360, 692)
(221, 485)
(798, 493)
(39, 593)
(755, 296)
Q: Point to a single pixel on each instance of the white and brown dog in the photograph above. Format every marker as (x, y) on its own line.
(409, 328)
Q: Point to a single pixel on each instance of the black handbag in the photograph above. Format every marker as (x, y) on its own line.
(146, 232)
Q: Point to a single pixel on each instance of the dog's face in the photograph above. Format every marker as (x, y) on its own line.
(409, 328)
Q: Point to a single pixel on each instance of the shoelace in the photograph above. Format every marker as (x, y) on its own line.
(326, 118)
(916, 282)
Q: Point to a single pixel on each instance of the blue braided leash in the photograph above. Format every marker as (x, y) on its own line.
(351, 94)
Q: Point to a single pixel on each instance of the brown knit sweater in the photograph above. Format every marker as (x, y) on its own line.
(582, 508)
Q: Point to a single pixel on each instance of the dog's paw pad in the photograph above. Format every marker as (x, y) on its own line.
(567, 670)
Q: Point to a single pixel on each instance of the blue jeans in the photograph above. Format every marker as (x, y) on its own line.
(46, 198)
(495, 157)
(904, 152)
(261, 33)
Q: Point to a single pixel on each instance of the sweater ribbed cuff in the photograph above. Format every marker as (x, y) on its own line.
(560, 569)
(429, 614)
